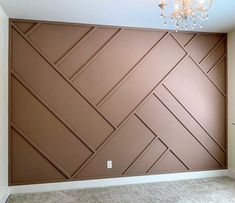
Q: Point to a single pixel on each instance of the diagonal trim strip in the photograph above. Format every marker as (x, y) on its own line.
(139, 156)
(44, 154)
(161, 157)
(212, 50)
(192, 40)
(145, 150)
(217, 63)
(106, 96)
(94, 56)
(76, 45)
(181, 160)
(125, 119)
(146, 125)
(188, 130)
(151, 92)
(222, 148)
(52, 110)
(60, 73)
(200, 68)
(34, 28)
(164, 144)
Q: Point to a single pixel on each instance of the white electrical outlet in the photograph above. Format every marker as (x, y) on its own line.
(109, 164)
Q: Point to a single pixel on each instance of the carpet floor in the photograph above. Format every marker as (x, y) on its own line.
(209, 190)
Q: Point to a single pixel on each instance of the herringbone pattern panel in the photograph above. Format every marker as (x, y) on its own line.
(150, 101)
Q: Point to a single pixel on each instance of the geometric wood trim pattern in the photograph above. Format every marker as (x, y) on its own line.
(151, 101)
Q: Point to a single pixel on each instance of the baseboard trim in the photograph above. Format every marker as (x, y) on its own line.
(231, 174)
(115, 181)
(4, 194)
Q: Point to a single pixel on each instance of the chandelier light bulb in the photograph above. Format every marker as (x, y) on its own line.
(176, 7)
(201, 2)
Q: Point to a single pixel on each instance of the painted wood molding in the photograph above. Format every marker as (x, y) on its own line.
(115, 181)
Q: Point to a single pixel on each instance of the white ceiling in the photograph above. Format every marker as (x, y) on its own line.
(132, 13)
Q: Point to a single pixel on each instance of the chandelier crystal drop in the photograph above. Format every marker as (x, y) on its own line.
(185, 14)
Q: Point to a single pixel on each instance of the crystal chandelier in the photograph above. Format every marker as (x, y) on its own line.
(185, 14)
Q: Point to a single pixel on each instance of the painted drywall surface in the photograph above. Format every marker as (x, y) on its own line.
(231, 100)
(119, 118)
(3, 101)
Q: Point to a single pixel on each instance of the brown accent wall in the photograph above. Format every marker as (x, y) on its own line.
(80, 95)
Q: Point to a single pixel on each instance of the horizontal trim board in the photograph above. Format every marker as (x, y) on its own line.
(57, 22)
(115, 181)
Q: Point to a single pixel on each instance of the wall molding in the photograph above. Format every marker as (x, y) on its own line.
(4, 194)
(231, 174)
(115, 181)
(88, 123)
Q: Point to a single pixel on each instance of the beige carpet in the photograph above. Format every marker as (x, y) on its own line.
(204, 190)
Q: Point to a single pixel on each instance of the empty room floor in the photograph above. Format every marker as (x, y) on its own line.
(219, 190)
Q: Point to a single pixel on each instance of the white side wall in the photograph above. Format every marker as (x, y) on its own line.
(231, 103)
(3, 105)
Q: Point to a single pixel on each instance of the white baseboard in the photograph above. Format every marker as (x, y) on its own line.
(115, 181)
(4, 194)
(231, 174)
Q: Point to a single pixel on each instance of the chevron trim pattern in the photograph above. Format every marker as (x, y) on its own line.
(80, 95)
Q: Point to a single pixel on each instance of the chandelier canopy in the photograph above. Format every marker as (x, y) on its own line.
(185, 14)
